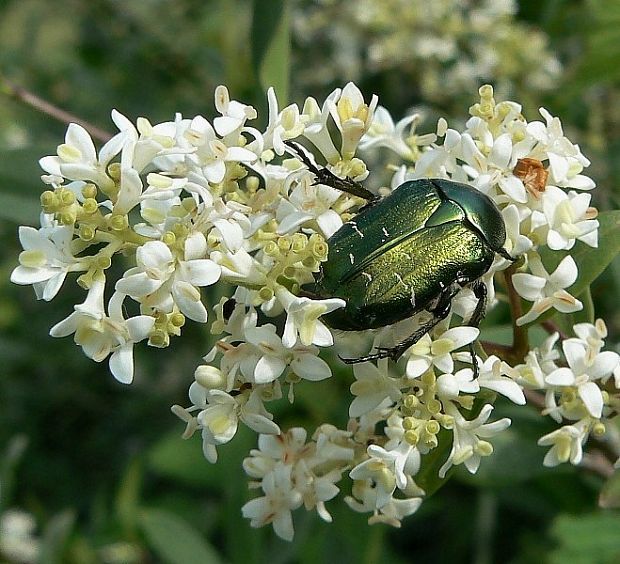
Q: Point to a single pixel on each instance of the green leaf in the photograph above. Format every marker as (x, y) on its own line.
(428, 476)
(271, 45)
(587, 539)
(174, 541)
(55, 537)
(8, 466)
(22, 210)
(128, 496)
(599, 63)
(20, 184)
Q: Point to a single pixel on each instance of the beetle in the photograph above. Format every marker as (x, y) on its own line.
(408, 252)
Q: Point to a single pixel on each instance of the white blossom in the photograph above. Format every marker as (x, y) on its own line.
(547, 290)
(102, 335)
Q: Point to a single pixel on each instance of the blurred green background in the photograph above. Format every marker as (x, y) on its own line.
(99, 467)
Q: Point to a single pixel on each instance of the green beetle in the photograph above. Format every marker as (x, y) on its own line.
(411, 251)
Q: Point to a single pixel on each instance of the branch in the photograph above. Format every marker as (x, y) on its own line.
(520, 343)
(24, 96)
(597, 462)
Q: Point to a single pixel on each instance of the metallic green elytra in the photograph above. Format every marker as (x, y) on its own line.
(400, 254)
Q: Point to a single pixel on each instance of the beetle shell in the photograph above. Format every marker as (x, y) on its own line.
(399, 254)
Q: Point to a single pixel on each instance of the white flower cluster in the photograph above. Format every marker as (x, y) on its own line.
(578, 393)
(504, 156)
(18, 541)
(190, 203)
(293, 472)
(440, 51)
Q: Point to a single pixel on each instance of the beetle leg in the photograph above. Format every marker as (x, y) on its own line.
(504, 253)
(480, 291)
(440, 312)
(327, 177)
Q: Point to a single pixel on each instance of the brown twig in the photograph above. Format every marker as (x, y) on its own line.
(22, 95)
(551, 328)
(520, 343)
(597, 462)
(535, 398)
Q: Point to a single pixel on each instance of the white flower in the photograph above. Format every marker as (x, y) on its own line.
(449, 386)
(316, 130)
(240, 268)
(308, 201)
(156, 265)
(233, 114)
(101, 335)
(565, 159)
(468, 445)
(18, 542)
(516, 243)
(303, 319)
(494, 170)
(276, 505)
(547, 290)
(271, 358)
(148, 143)
(77, 158)
(283, 125)
(288, 448)
(212, 153)
(384, 133)
(569, 218)
(429, 351)
(372, 386)
(46, 259)
(566, 444)
(495, 375)
(582, 372)
(391, 513)
(221, 413)
(387, 470)
(352, 116)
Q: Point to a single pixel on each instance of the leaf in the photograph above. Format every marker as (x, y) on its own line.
(174, 541)
(599, 63)
(55, 537)
(181, 460)
(587, 539)
(428, 476)
(128, 496)
(271, 45)
(22, 210)
(8, 466)
(20, 184)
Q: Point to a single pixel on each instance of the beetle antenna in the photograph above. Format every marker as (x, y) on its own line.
(327, 177)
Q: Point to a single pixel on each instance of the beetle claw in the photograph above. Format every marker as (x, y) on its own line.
(382, 352)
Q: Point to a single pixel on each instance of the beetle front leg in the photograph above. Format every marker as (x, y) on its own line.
(505, 254)
(480, 291)
(327, 177)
